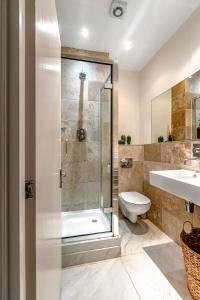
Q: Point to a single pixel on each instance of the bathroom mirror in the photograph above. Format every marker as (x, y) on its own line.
(176, 112)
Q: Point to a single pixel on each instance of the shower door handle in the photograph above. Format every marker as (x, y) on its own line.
(61, 175)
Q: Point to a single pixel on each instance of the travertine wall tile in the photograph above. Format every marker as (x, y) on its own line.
(136, 152)
(178, 114)
(178, 104)
(196, 217)
(179, 88)
(176, 152)
(131, 179)
(178, 119)
(152, 152)
(178, 133)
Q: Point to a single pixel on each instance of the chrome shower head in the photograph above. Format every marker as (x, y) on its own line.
(82, 76)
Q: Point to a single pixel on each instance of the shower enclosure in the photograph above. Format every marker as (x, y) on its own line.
(86, 149)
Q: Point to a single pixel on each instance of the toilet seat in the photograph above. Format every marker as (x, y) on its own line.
(135, 198)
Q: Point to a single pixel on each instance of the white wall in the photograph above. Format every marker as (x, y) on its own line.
(129, 105)
(179, 58)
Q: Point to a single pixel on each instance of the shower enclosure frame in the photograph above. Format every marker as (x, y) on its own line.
(113, 209)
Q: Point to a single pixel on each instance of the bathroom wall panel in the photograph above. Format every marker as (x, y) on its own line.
(176, 152)
(131, 179)
(152, 152)
(181, 111)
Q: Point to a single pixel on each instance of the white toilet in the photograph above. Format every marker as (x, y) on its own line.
(133, 204)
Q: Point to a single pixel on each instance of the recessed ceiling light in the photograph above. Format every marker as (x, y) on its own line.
(127, 45)
(85, 32)
(118, 8)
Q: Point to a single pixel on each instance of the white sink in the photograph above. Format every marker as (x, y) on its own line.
(182, 183)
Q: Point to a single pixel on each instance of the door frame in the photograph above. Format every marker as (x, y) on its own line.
(3, 153)
(12, 200)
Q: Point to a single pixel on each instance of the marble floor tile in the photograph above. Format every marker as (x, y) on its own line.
(151, 268)
(148, 280)
(106, 280)
(134, 237)
(169, 259)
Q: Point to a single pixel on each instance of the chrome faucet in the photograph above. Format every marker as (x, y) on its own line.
(195, 171)
(196, 156)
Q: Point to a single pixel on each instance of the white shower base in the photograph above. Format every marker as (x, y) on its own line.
(85, 222)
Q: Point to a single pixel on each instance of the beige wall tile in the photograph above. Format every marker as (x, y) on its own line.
(179, 89)
(152, 152)
(131, 179)
(136, 152)
(196, 216)
(176, 152)
(178, 119)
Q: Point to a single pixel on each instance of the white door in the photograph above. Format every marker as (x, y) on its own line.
(48, 151)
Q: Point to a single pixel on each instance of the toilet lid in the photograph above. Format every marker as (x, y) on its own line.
(135, 198)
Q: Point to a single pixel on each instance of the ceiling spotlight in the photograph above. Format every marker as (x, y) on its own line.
(118, 8)
(127, 45)
(85, 32)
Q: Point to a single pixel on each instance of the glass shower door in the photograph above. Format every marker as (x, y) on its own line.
(106, 151)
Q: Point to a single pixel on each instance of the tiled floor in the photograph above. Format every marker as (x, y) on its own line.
(151, 268)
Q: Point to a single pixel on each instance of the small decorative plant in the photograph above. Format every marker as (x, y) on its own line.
(122, 141)
(160, 139)
(128, 139)
(123, 138)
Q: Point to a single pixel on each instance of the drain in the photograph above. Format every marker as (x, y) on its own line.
(94, 220)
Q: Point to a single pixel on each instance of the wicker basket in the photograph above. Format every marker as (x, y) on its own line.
(192, 262)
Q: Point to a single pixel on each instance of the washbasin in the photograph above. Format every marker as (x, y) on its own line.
(181, 183)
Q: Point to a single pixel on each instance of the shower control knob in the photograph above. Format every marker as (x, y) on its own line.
(81, 134)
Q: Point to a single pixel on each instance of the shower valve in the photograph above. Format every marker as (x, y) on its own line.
(81, 134)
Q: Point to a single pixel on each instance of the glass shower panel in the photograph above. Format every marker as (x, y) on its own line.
(85, 147)
(106, 148)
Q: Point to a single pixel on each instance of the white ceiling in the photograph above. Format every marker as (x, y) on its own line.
(147, 25)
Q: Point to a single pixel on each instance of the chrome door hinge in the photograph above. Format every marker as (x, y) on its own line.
(108, 210)
(29, 189)
(61, 175)
(108, 86)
